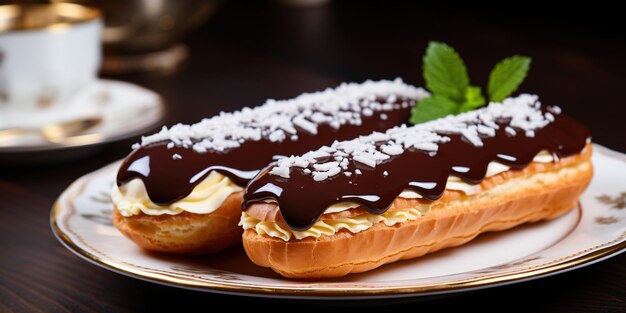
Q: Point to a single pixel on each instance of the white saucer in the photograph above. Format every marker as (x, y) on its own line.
(126, 110)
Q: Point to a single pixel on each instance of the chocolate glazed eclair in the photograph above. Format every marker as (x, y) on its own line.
(355, 205)
(180, 190)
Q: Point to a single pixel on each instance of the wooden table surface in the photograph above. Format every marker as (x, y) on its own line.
(248, 53)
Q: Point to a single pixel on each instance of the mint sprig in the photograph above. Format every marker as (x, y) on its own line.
(473, 99)
(506, 76)
(444, 71)
(449, 84)
(431, 106)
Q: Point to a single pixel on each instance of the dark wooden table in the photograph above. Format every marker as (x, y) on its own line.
(248, 53)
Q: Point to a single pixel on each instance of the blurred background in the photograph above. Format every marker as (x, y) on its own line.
(206, 56)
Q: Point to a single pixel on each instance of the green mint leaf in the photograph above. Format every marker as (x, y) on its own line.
(432, 108)
(506, 76)
(444, 71)
(473, 99)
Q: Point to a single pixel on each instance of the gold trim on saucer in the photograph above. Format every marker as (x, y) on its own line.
(49, 17)
(91, 137)
(226, 284)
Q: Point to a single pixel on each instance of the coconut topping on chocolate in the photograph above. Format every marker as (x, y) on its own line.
(523, 113)
(277, 120)
(378, 167)
(238, 144)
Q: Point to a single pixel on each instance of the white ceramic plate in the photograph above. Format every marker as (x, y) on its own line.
(126, 110)
(81, 219)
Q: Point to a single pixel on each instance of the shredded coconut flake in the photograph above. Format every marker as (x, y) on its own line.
(486, 130)
(509, 130)
(301, 122)
(325, 166)
(282, 171)
(555, 109)
(392, 149)
(365, 159)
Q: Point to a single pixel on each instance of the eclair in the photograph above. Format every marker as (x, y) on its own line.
(355, 205)
(180, 190)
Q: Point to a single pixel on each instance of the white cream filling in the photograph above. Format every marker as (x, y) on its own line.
(132, 197)
(454, 183)
(365, 221)
(328, 226)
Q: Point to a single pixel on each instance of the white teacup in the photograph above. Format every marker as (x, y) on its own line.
(48, 53)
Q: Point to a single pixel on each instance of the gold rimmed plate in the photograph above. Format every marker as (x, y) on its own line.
(596, 230)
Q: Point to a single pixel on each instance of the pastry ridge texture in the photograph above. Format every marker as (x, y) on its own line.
(185, 233)
(541, 191)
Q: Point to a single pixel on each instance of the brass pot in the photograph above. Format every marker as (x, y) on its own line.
(144, 35)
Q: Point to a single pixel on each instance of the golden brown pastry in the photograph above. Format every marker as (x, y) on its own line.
(180, 190)
(185, 233)
(412, 191)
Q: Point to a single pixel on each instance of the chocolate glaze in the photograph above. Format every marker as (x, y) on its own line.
(168, 180)
(302, 200)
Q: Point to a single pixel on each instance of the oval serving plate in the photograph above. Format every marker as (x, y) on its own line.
(596, 230)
